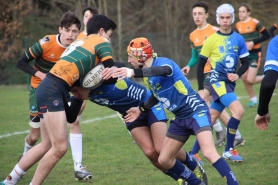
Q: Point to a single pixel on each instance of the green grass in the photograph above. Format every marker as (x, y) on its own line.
(108, 150)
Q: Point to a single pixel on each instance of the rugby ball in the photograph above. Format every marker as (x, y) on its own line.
(92, 79)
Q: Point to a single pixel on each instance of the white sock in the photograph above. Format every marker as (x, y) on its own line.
(217, 126)
(238, 135)
(27, 147)
(14, 176)
(254, 99)
(30, 183)
(76, 150)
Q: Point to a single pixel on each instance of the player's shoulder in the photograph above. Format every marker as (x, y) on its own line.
(48, 40)
(254, 20)
(97, 39)
(211, 27)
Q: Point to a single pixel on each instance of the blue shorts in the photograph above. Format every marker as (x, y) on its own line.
(192, 125)
(270, 67)
(155, 114)
(52, 95)
(221, 88)
(223, 101)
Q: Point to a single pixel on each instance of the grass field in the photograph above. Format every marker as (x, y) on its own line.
(108, 150)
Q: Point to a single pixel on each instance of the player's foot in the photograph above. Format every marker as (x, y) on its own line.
(181, 181)
(19, 158)
(82, 174)
(232, 155)
(200, 173)
(197, 158)
(252, 104)
(221, 138)
(239, 142)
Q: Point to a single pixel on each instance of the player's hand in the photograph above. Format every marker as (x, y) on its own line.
(132, 114)
(249, 45)
(122, 73)
(202, 94)
(262, 121)
(232, 77)
(185, 70)
(107, 72)
(40, 74)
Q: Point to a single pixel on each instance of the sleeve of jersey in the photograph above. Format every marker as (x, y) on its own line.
(243, 51)
(36, 50)
(153, 71)
(103, 51)
(271, 31)
(194, 58)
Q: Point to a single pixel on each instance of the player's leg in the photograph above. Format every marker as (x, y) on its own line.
(29, 159)
(56, 128)
(75, 138)
(230, 100)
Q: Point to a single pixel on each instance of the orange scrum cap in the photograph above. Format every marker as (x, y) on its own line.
(141, 48)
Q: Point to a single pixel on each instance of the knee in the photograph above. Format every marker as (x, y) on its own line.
(33, 138)
(239, 113)
(151, 154)
(60, 150)
(164, 161)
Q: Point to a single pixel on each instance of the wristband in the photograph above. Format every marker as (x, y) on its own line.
(129, 72)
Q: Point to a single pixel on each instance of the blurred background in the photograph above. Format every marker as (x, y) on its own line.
(166, 23)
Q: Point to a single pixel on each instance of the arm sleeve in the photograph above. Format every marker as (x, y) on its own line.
(109, 63)
(194, 58)
(145, 106)
(271, 31)
(152, 71)
(266, 91)
(244, 66)
(73, 110)
(265, 36)
(200, 72)
(23, 63)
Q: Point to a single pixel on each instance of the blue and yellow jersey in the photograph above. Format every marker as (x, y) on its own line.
(271, 62)
(223, 51)
(120, 96)
(46, 52)
(198, 37)
(174, 91)
(80, 57)
(250, 30)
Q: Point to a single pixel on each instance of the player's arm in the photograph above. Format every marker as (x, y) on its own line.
(151, 101)
(194, 58)
(271, 31)
(265, 36)
(152, 71)
(200, 71)
(267, 87)
(109, 63)
(244, 66)
(23, 63)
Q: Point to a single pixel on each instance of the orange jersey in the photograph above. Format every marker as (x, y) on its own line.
(46, 52)
(250, 30)
(81, 35)
(198, 37)
(80, 57)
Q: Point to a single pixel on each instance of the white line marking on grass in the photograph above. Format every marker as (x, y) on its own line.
(82, 122)
(241, 97)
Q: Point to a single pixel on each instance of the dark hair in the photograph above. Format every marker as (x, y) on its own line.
(93, 10)
(99, 21)
(68, 19)
(201, 4)
(247, 6)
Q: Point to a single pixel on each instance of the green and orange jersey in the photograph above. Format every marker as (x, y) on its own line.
(46, 52)
(250, 30)
(198, 37)
(80, 57)
(81, 35)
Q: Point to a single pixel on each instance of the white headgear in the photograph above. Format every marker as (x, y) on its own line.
(225, 8)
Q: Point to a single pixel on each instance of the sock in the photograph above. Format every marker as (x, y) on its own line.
(14, 176)
(184, 173)
(27, 147)
(217, 126)
(238, 135)
(254, 99)
(195, 148)
(231, 131)
(30, 183)
(76, 150)
(225, 171)
(189, 162)
(172, 175)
